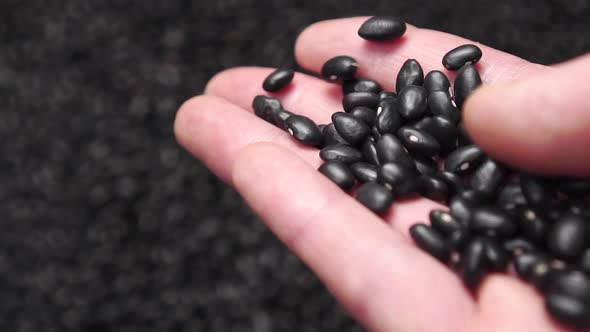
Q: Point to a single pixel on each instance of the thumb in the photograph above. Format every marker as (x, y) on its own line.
(540, 123)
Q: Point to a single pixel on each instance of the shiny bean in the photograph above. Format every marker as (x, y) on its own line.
(364, 172)
(375, 197)
(355, 99)
(411, 73)
(341, 152)
(466, 81)
(437, 81)
(412, 101)
(278, 80)
(429, 240)
(382, 28)
(418, 142)
(457, 57)
(339, 173)
(339, 68)
(353, 130)
(304, 130)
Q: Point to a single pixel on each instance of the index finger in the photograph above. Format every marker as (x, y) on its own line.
(381, 60)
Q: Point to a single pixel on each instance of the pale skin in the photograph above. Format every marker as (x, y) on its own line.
(368, 262)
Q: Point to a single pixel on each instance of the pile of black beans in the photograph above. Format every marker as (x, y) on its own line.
(411, 143)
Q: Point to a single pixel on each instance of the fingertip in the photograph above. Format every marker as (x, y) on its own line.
(183, 122)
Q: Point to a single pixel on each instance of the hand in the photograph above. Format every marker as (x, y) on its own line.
(371, 266)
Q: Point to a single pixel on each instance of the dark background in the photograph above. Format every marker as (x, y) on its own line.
(106, 224)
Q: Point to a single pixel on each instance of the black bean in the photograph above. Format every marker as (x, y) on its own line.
(437, 81)
(537, 191)
(304, 130)
(375, 197)
(413, 101)
(401, 180)
(568, 237)
(433, 188)
(355, 99)
(466, 81)
(443, 222)
(426, 166)
(442, 130)
(464, 159)
(339, 173)
(525, 262)
(331, 136)
(568, 309)
(492, 221)
(458, 57)
(574, 187)
(440, 104)
(382, 28)
(459, 238)
(580, 207)
(388, 118)
(387, 95)
(584, 262)
(411, 73)
(573, 283)
(353, 130)
(473, 263)
(543, 275)
(472, 196)
(418, 142)
(463, 137)
(497, 257)
(532, 226)
(375, 134)
(339, 68)
(511, 196)
(266, 107)
(430, 241)
(453, 181)
(488, 177)
(341, 152)
(364, 172)
(278, 79)
(462, 208)
(360, 85)
(391, 150)
(369, 150)
(518, 246)
(281, 117)
(365, 114)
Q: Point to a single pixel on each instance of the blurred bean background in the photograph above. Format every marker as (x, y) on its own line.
(106, 224)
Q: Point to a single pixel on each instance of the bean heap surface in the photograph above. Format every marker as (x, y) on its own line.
(386, 146)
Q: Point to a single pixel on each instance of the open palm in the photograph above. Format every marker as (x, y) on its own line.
(369, 264)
